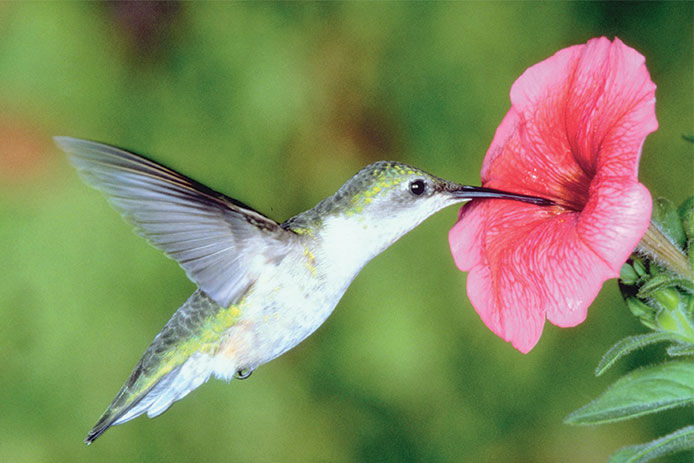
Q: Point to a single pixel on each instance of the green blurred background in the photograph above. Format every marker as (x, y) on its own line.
(277, 105)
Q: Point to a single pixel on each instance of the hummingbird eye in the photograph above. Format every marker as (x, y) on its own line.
(417, 187)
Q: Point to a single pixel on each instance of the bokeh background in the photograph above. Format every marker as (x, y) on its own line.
(277, 105)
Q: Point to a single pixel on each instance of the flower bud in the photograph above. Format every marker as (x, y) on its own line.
(628, 275)
(657, 296)
(645, 313)
(639, 268)
(667, 298)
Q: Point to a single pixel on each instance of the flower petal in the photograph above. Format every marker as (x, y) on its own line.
(517, 279)
(573, 134)
(615, 219)
(587, 108)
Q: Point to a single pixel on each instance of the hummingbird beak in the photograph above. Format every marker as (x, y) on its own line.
(474, 192)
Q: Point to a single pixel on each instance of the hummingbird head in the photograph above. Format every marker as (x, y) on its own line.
(389, 190)
(384, 201)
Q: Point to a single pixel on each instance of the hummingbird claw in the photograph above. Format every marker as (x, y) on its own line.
(243, 373)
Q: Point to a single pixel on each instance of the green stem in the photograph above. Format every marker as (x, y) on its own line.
(656, 245)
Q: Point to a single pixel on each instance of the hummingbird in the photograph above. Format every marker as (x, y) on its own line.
(263, 286)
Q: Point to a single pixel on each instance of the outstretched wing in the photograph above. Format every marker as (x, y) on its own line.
(221, 243)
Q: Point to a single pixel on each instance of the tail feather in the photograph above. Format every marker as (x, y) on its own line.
(171, 387)
(179, 359)
(190, 376)
(118, 413)
(152, 396)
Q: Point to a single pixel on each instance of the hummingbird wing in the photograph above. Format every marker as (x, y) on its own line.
(221, 243)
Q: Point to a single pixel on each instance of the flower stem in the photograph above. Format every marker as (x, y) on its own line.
(656, 245)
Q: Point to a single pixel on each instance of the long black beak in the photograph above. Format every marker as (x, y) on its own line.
(473, 192)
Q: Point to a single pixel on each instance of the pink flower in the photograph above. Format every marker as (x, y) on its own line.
(573, 134)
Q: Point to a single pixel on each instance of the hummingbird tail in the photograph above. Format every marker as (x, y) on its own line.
(179, 359)
(125, 407)
(171, 387)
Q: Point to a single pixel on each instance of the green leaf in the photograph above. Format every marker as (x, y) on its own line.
(645, 313)
(639, 268)
(686, 212)
(687, 285)
(664, 281)
(667, 218)
(630, 344)
(640, 392)
(689, 138)
(676, 350)
(678, 441)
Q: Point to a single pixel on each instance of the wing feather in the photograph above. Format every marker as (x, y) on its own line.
(215, 239)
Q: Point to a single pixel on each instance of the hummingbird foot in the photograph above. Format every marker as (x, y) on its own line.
(243, 373)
